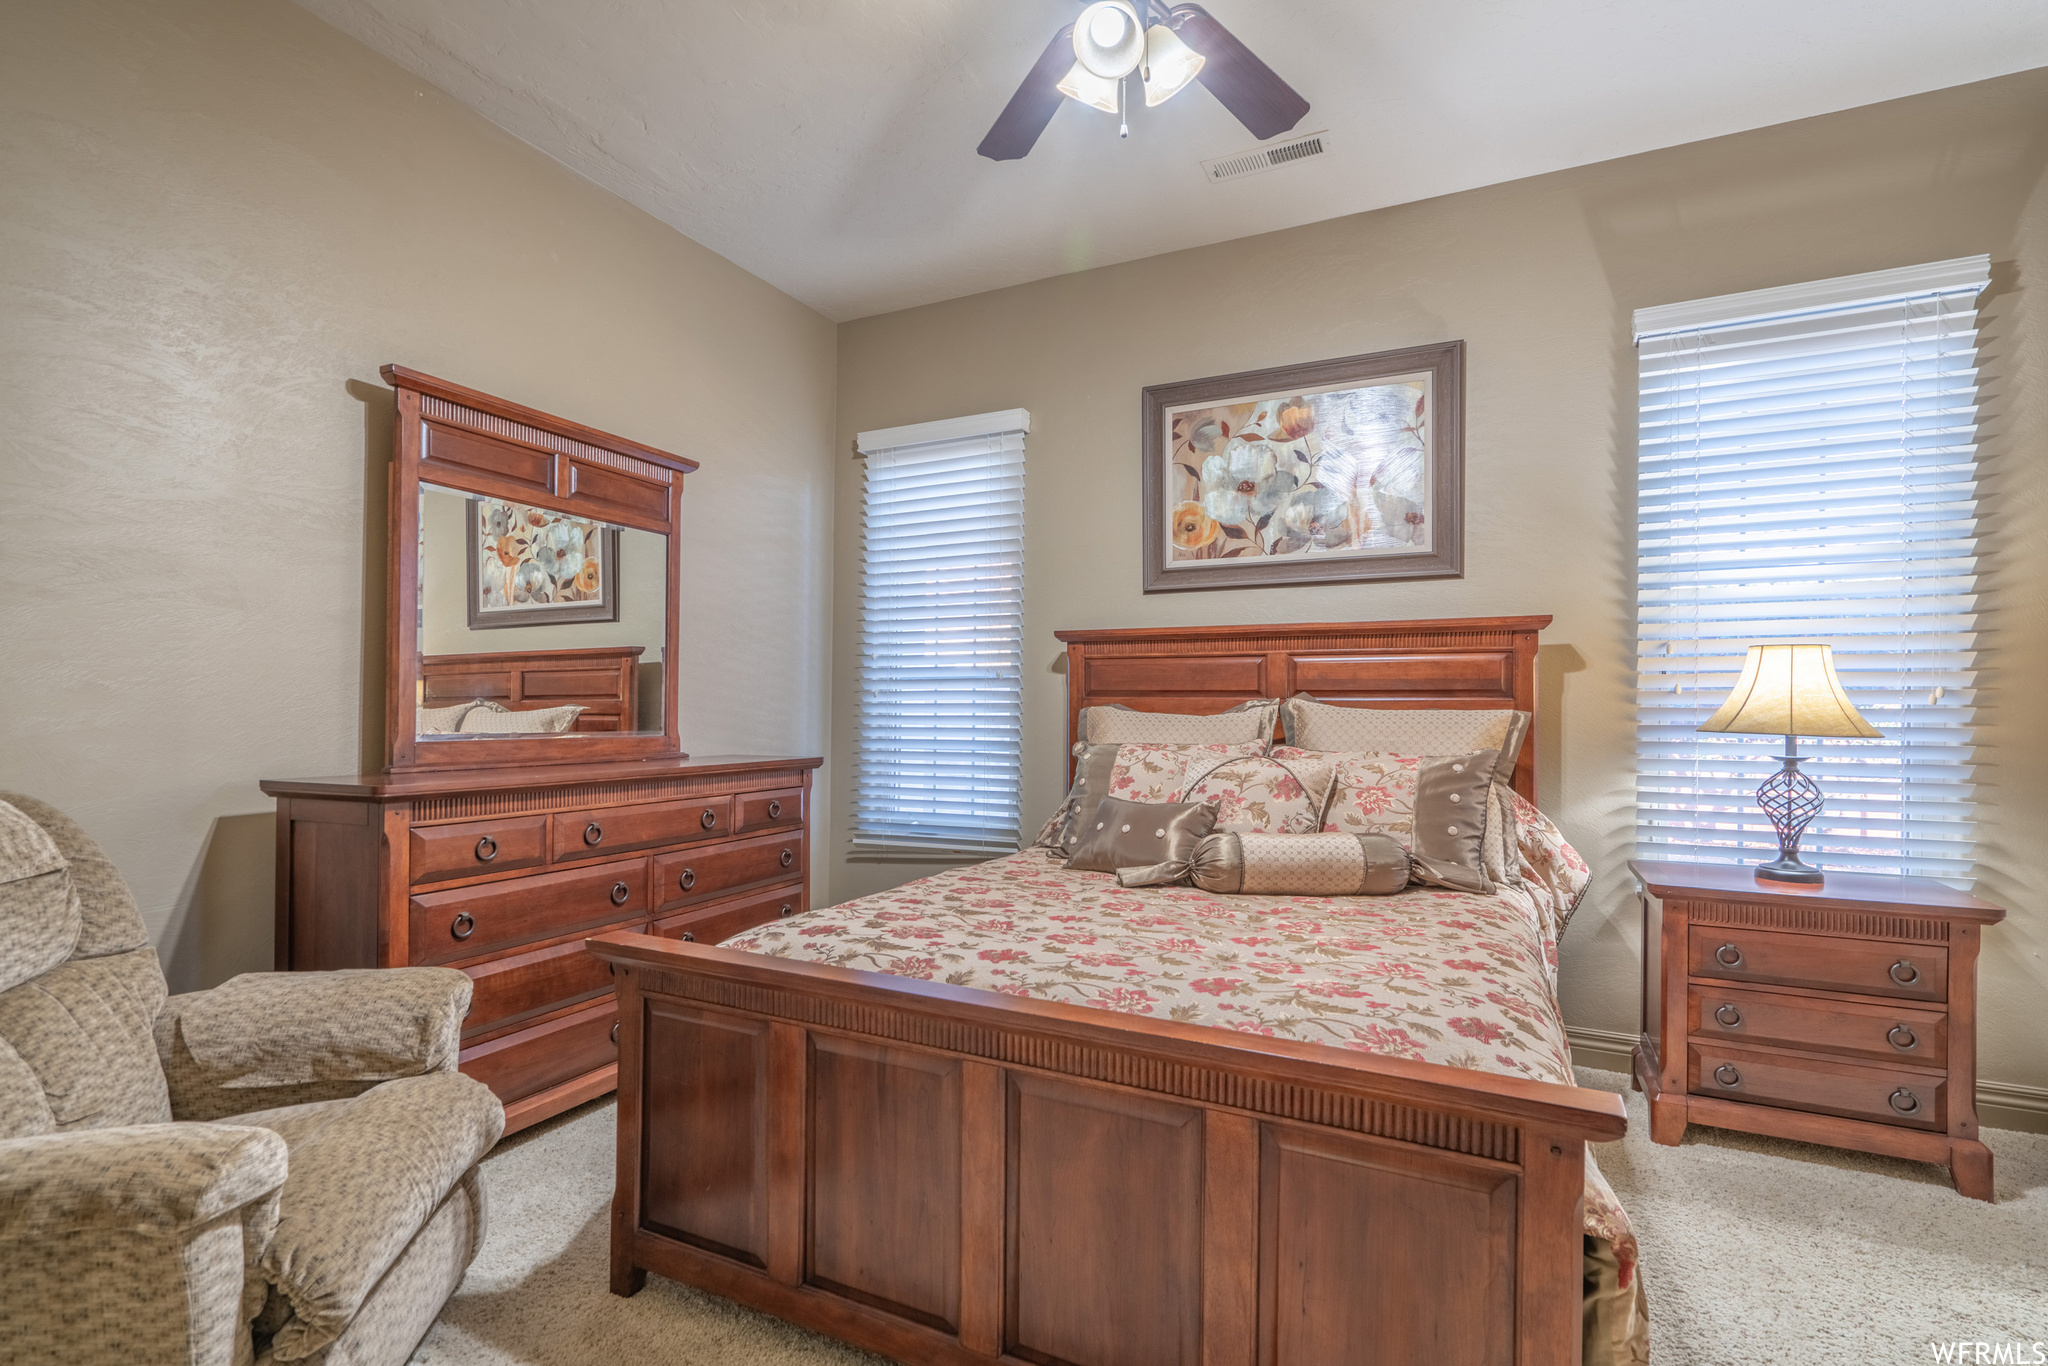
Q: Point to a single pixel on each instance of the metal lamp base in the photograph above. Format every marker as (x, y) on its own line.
(1789, 870)
(1791, 800)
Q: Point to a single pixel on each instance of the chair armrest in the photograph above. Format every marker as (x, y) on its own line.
(267, 1039)
(132, 1244)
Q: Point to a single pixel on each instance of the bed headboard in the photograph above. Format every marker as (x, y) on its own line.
(1469, 662)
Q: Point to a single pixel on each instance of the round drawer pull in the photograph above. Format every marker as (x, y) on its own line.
(1727, 1075)
(788, 857)
(1905, 1102)
(486, 849)
(593, 833)
(615, 1033)
(1902, 1038)
(688, 879)
(464, 925)
(788, 907)
(710, 818)
(775, 811)
(1728, 956)
(1729, 1016)
(620, 891)
(689, 936)
(1904, 973)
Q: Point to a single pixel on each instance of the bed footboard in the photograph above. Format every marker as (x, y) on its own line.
(948, 1175)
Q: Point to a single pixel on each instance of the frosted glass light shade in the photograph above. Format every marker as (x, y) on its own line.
(1790, 690)
(1169, 64)
(1097, 92)
(1108, 40)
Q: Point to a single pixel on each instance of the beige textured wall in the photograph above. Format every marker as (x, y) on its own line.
(217, 219)
(1539, 277)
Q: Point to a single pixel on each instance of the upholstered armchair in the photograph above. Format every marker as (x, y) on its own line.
(281, 1169)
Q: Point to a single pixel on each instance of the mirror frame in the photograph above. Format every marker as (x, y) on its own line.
(470, 442)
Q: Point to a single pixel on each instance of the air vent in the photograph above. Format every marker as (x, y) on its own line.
(1266, 158)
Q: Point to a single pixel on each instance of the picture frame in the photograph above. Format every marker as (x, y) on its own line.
(1335, 471)
(540, 563)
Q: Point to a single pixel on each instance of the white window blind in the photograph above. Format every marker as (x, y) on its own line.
(1807, 471)
(942, 640)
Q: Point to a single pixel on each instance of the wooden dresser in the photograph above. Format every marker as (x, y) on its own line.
(503, 872)
(1842, 1013)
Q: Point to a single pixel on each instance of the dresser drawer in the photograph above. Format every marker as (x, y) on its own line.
(465, 922)
(608, 829)
(1733, 1015)
(1868, 967)
(436, 853)
(512, 989)
(728, 918)
(1916, 1100)
(530, 1060)
(719, 869)
(768, 810)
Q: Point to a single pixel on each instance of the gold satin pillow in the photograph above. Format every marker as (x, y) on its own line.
(1130, 834)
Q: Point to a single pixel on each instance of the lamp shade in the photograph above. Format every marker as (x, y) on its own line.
(1790, 690)
(1108, 39)
(1097, 92)
(1169, 64)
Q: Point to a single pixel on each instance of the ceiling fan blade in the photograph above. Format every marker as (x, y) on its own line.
(1243, 84)
(1017, 128)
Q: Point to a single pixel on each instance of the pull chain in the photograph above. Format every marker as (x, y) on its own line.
(1123, 119)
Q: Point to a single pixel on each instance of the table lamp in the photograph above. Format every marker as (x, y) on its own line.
(1790, 690)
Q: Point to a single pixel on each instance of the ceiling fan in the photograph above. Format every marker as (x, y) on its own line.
(1090, 59)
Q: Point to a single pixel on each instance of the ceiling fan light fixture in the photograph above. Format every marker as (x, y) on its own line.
(1108, 40)
(1170, 64)
(1097, 92)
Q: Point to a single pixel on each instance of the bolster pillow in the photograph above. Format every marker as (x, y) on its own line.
(1232, 862)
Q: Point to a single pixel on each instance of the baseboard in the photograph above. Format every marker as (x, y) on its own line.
(2000, 1105)
(1603, 1049)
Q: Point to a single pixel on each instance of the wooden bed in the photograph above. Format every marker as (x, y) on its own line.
(948, 1175)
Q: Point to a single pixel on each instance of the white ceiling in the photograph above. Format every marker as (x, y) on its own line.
(828, 145)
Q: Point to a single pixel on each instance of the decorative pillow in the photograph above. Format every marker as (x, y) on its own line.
(538, 721)
(1264, 796)
(1497, 856)
(1131, 834)
(1435, 805)
(443, 720)
(1309, 724)
(1137, 773)
(1117, 724)
(1229, 862)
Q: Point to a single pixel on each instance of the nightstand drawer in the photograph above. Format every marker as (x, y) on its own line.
(1916, 1100)
(1733, 1015)
(1824, 962)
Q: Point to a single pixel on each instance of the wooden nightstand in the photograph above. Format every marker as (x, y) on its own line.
(1844, 1013)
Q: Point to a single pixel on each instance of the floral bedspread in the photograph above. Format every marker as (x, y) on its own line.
(1441, 976)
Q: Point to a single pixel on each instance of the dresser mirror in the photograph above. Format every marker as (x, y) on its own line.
(536, 621)
(533, 586)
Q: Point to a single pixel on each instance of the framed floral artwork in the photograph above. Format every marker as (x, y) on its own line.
(1332, 472)
(531, 566)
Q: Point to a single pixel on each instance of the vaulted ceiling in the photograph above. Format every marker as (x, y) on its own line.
(828, 145)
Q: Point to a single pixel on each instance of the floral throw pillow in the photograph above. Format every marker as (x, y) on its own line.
(1436, 805)
(1159, 773)
(1263, 796)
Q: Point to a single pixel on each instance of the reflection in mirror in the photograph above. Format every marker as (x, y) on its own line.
(537, 622)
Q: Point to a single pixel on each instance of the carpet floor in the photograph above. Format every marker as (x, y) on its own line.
(1754, 1250)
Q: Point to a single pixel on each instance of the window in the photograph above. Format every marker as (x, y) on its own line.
(1807, 471)
(942, 637)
